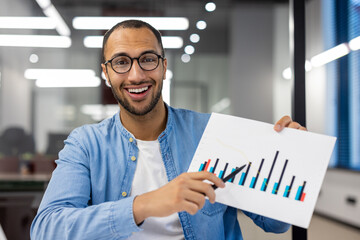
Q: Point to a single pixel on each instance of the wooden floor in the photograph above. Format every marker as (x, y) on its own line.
(324, 228)
(320, 228)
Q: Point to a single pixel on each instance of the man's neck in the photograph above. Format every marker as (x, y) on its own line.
(147, 127)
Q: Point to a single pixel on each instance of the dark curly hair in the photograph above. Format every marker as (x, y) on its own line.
(132, 24)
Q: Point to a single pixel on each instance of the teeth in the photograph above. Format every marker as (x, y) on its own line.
(137, 90)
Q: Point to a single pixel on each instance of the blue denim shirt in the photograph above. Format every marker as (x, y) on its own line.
(88, 194)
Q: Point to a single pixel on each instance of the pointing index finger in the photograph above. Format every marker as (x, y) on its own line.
(231, 175)
(203, 175)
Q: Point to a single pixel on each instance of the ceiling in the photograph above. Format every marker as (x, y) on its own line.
(159, 3)
(216, 33)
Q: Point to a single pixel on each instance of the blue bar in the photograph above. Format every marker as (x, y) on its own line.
(286, 191)
(252, 182)
(231, 179)
(275, 187)
(242, 179)
(221, 173)
(211, 169)
(298, 193)
(201, 167)
(264, 184)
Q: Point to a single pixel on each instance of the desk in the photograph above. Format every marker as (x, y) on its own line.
(19, 182)
(20, 197)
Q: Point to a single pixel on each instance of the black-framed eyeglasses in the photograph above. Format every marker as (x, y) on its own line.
(147, 62)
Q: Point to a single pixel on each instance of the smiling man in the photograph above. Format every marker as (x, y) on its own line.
(125, 178)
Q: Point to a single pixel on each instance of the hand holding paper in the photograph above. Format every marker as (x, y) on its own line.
(284, 170)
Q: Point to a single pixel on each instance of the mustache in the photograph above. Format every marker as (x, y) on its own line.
(123, 85)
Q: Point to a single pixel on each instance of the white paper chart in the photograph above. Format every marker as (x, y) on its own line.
(283, 174)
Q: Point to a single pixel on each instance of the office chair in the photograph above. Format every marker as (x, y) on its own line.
(15, 146)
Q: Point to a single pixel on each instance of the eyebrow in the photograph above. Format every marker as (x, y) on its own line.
(125, 54)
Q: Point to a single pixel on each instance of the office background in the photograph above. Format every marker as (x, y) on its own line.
(239, 66)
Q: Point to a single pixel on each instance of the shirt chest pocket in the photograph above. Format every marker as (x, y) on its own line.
(210, 209)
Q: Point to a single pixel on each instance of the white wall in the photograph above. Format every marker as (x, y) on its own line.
(281, 61)
(15, 90)
(250, 61)
(316, 79)
(201, 83)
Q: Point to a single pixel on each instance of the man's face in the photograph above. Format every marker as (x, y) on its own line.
(137, 91)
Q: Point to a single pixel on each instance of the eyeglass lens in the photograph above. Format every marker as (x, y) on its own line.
(147, 61)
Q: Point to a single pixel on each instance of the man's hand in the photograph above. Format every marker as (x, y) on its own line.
(187, 193)
(286, 121)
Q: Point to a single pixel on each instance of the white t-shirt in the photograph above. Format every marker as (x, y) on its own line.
(150, 174)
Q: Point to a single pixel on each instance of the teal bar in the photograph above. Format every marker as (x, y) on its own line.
(242, 179)
(264, 184)
(298, 193)
(286, 191)
(201, 167)
(231, 179)
(252, 182)
(221, 173)
(275, 187)
(211, 169)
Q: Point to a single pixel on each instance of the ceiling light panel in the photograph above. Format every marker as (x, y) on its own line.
(330, 55)
(56, 82)
(27, 23)
(61, 26)
(105, 23)
(354, 44)
(35, 41)
(36, 73)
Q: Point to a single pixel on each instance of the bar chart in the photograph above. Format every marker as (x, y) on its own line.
(283, 170)
(277, 188)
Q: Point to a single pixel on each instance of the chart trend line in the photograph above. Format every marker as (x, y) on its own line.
(233, 148)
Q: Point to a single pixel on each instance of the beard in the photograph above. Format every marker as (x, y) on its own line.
(131, 109)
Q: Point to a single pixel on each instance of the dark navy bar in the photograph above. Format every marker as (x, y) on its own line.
(246, 173)
(257, 175)
(204, 166)
(216, 163)
(281, 176)
(272, 167)
(290, 187)
(224, 171)
(302, 190)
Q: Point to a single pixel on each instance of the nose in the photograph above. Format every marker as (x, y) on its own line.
(136, 74)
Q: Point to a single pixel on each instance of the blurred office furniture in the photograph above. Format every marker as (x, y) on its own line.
(42, 164)
(14, 141)
(45, 163)
(55, 143)
(16, 151)
(9, 164)
(23, 178)
(20, 196)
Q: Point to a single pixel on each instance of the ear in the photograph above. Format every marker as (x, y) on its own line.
(106, 73)
(165, 68)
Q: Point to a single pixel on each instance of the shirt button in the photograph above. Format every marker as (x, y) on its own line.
(131, 139)
(124, 194)
(133, 158)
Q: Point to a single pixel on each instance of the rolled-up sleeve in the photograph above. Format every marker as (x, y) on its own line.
(65, 211)
(268, 224)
